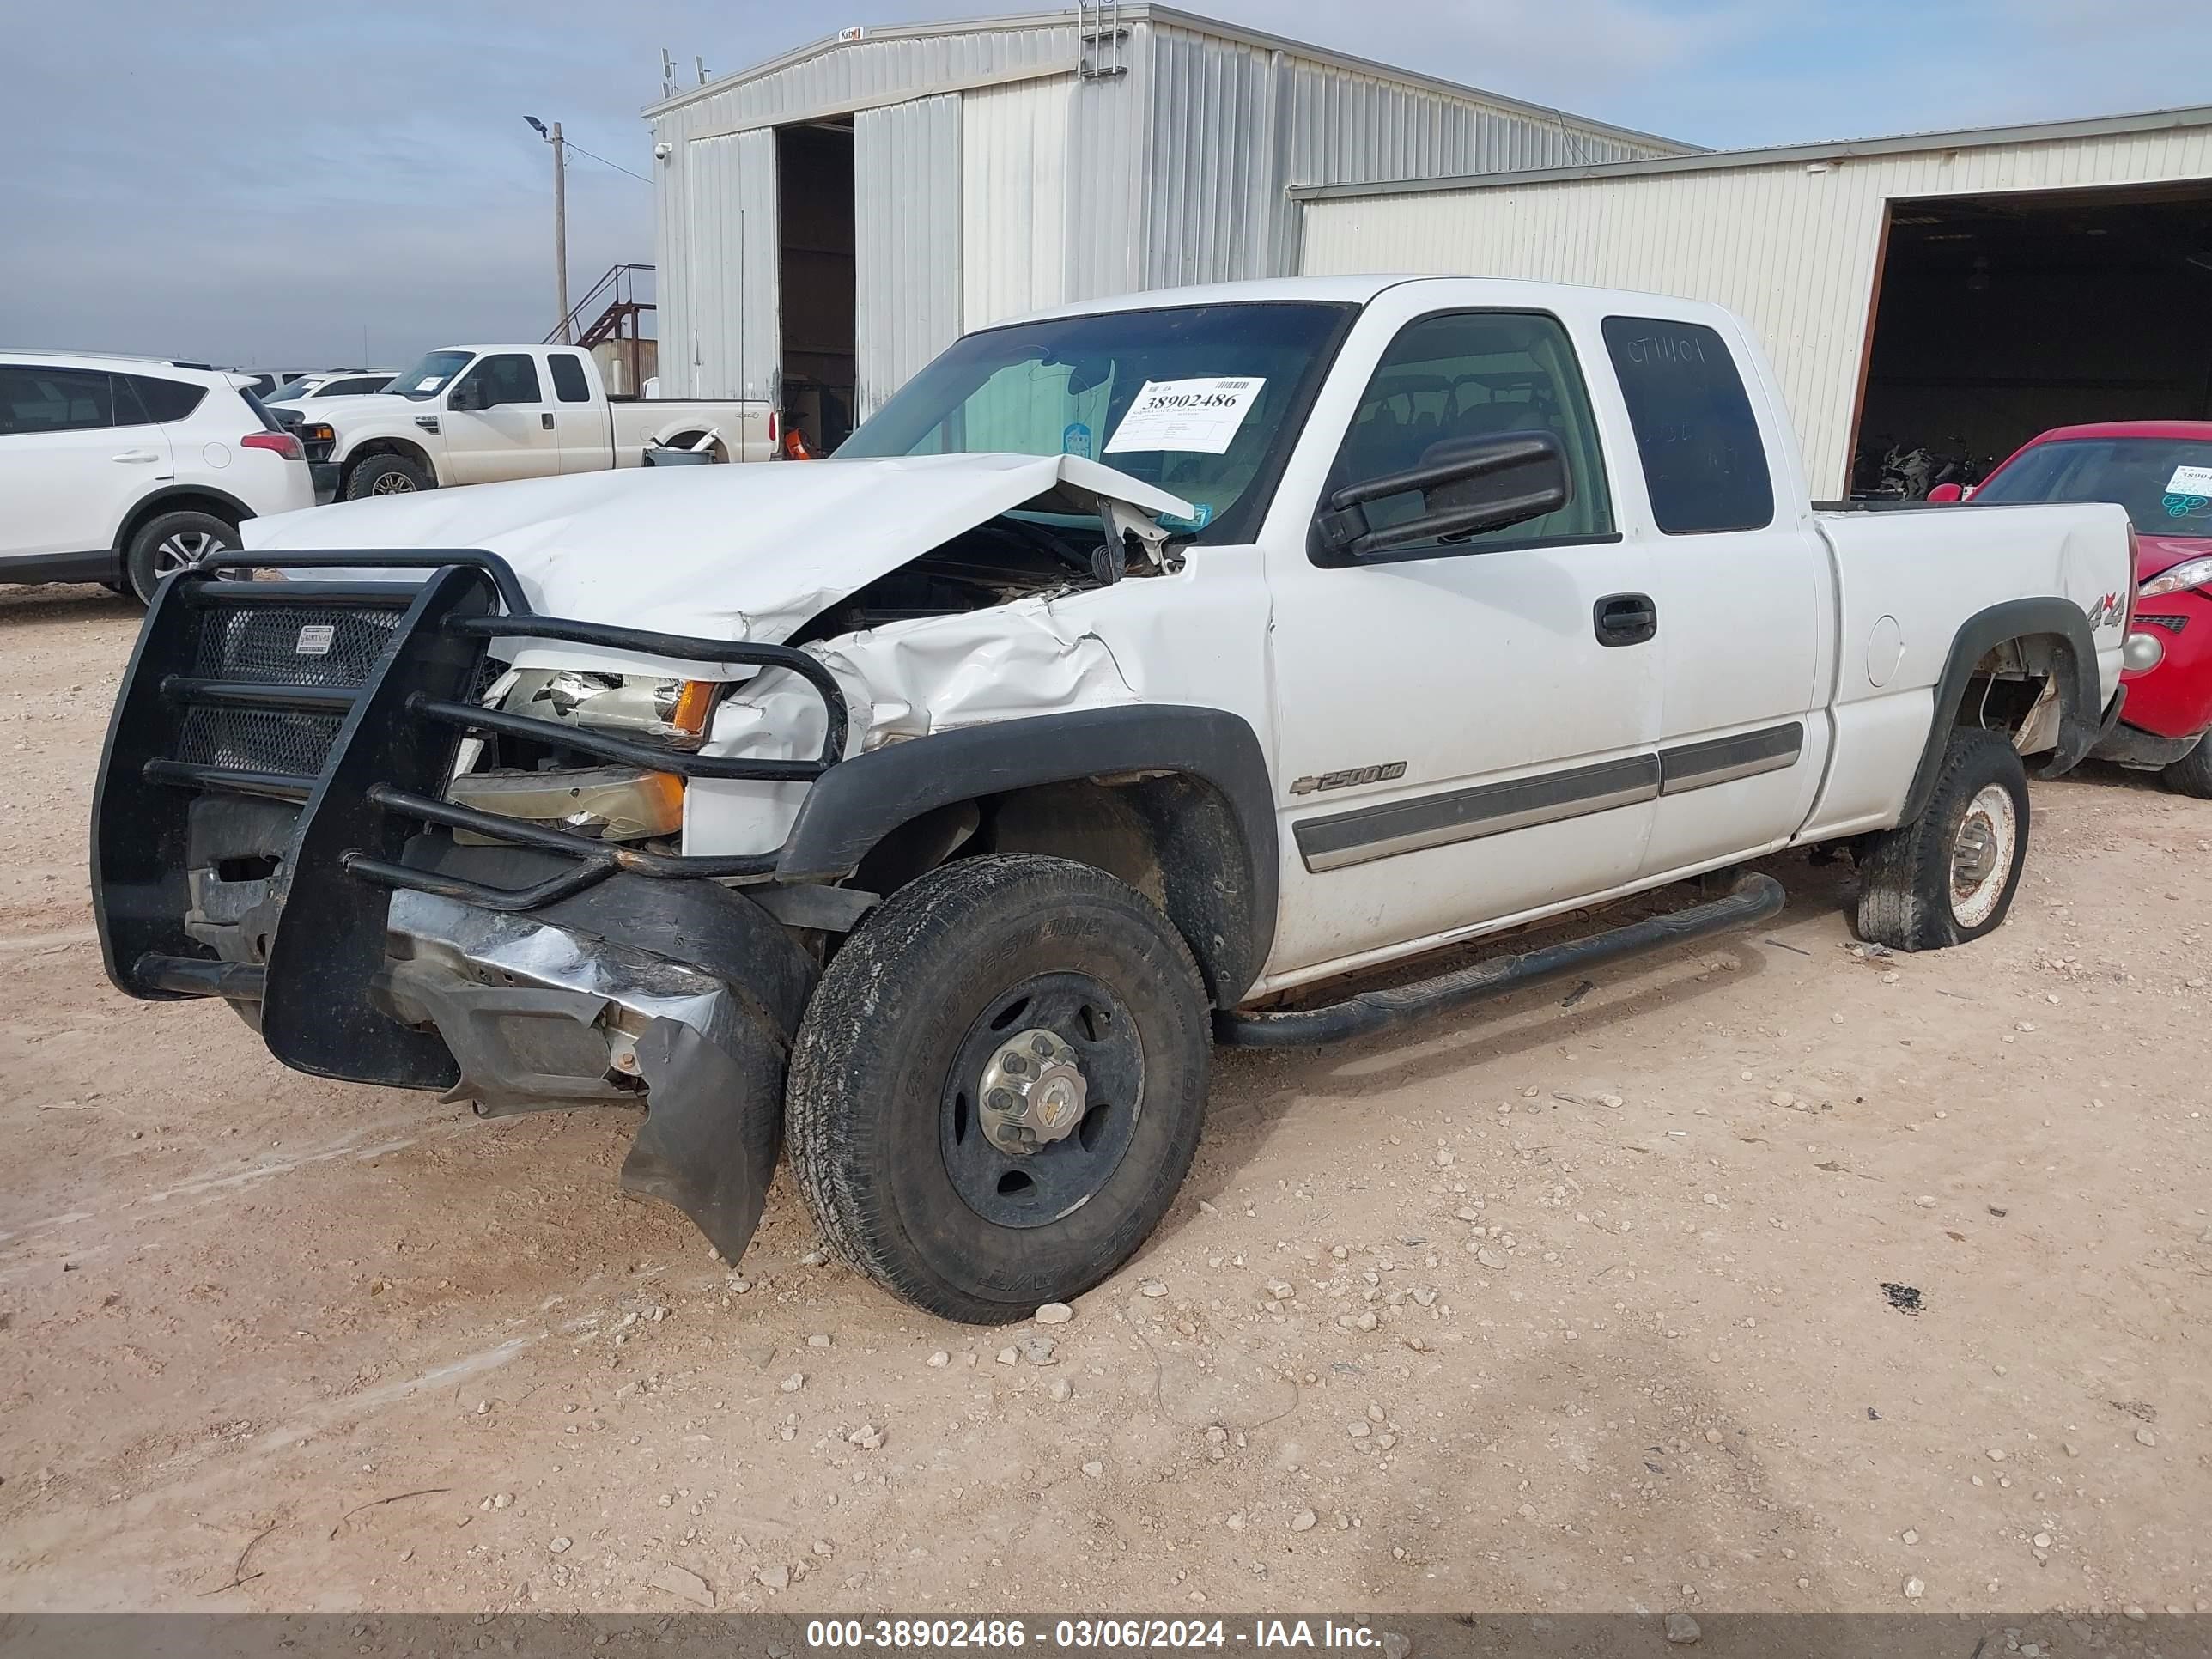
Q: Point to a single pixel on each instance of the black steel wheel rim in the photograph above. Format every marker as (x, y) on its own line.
(1041, 1187)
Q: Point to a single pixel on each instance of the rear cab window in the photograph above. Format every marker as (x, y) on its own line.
(569, 384)
(1467, 375)
(1703, 455)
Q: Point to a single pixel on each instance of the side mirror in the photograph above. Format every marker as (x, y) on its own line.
(1467, 486)
(1944, 494)
(468, 396)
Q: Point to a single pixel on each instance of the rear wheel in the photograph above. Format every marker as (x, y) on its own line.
(388, 475)
(170, 542)
(999, 1085)
(1949, 876)
(2192, 773)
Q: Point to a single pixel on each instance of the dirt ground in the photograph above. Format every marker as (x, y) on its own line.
(1558, 1308)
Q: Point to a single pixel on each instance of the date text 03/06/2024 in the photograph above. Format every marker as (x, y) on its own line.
(1074, 1635)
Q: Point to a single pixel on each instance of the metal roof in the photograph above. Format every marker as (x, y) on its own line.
(1145, 12)
(1843, 150)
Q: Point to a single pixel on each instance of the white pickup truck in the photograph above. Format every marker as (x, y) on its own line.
(1135, 677)
(470, 415)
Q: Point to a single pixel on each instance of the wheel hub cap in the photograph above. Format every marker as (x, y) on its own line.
(1034, 1093)
(1982, 856)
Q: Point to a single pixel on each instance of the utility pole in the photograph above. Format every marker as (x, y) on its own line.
(560, 219)
(561, 229)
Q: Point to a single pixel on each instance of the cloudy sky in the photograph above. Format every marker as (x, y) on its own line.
(273, 185)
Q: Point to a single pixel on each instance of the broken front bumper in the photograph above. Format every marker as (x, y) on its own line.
(584, 1005)
(270, 828)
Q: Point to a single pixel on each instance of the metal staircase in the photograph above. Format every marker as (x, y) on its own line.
(616, 306)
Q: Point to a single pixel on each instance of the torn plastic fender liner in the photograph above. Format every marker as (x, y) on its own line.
(689, 987)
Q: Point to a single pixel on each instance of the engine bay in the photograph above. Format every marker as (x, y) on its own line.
(1013, 557)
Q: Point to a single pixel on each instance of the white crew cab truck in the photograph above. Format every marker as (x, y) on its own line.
(484, 414)
(1135, 675)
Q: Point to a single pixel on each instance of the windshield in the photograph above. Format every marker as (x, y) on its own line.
(1202, 400)
(298, 388)
(430, 376)
(2165, 484)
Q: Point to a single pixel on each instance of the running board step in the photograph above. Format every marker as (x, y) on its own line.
(1752, 900)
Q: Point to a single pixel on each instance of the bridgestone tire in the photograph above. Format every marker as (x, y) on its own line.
(386, 475)
(2192, 773)
(1911, 895)
(887, 1042)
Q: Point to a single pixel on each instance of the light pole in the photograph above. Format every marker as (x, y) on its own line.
(559, 217)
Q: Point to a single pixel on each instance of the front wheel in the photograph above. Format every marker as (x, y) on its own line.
(1949, 876)
(999, 1086)
(170, 542)
(388, 475)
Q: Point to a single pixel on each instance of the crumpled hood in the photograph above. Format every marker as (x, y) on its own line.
(750, 551)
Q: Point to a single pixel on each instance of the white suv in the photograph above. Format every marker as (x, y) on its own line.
(331, 383)
(120, 470)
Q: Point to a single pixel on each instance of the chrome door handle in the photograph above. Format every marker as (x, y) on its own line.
(135, 455)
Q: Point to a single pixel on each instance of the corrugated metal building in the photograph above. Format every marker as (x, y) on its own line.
(830, 220)
(1954, 293)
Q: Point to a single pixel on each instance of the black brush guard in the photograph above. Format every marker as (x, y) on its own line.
(347, 700)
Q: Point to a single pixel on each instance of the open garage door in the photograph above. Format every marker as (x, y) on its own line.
(1997, 317)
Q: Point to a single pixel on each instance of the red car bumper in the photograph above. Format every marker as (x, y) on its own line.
(2174, 699)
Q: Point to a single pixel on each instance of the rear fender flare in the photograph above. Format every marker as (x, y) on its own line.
(713, 434)
(1224, 897)
(2081, 702)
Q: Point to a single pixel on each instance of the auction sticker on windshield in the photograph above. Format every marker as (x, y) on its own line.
(1197, 416)
(2185, 481)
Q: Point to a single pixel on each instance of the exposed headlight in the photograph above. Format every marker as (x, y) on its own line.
(614, 803)
(674, 710)
(2190, 572)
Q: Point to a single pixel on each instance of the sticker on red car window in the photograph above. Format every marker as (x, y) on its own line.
(2190, 481)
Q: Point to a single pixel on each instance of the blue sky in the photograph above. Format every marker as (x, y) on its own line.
(260, 185)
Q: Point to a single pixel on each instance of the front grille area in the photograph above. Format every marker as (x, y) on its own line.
(257, 739)
(280, 644)
(294, 645)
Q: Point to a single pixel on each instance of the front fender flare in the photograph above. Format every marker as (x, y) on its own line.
(858, 802)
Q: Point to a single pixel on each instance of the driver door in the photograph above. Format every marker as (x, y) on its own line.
(1463, 738)
(499, 423)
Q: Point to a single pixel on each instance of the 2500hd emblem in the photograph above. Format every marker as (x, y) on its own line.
(1382, 774)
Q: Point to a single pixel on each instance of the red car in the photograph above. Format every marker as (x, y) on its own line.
(2161, 472)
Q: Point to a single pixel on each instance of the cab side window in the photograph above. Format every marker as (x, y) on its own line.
(509, 378)
(1704, 459)
(1470, 375)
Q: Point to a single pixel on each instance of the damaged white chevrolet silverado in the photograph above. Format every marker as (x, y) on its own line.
(1137, 672)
